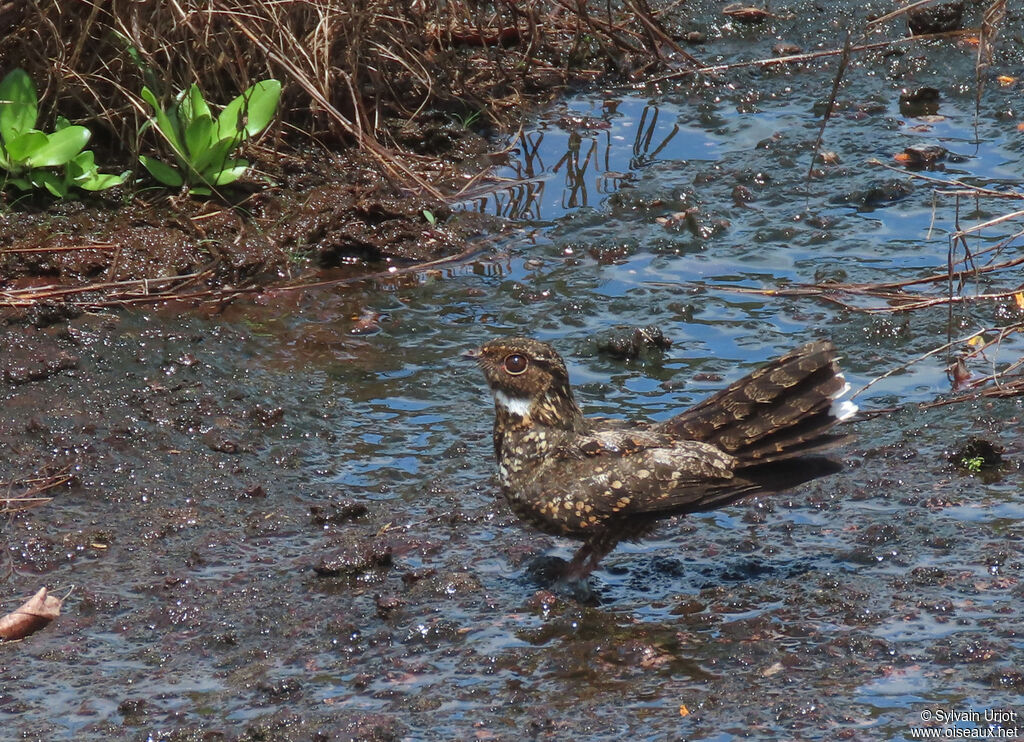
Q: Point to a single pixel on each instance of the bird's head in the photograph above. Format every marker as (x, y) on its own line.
(529, 382)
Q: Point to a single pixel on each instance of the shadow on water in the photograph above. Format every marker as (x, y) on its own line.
(285, 521)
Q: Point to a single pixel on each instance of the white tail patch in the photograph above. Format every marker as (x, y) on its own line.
(842, 409)
(519, 406)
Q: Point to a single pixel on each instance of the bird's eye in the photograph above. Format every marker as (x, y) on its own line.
(515, 363)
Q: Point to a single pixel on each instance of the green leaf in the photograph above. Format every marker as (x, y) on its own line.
(162, 172)
(249, 113)
(18, 105)
(235, 169)
(24, 146)
(215, 157)
(21, 184)
(50, 181)
(60, 147)
(165, 123)
(102, 181)
(81, 168)
(81, 172)
(198, 138)
(193, 105)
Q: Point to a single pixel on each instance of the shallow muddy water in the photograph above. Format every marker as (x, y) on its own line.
(225, 463)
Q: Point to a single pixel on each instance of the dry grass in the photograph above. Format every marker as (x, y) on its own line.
(32, 491)
(351, 68)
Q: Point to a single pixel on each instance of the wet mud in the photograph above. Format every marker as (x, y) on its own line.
(233, 578)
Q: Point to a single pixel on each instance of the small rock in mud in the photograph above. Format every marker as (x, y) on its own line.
(746, 14)
(636, 653)
(266, 416)
(450, 584)
(134, 709)
(354, 557)
(977, 455)
(280, 689)
(387, 604)
(923, 158)
(741, 195)
(434, 631)
(218, 439)
(341, 511)
(415, 575)
(256, 492)
(785, 49)
(1007, 679)
(633, 343)
(375, 728)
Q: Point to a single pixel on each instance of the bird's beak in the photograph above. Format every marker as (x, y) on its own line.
(472, 354)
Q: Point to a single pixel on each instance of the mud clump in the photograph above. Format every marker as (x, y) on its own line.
(977, 455)
(354, 557)
(630, 344)
(32, 356)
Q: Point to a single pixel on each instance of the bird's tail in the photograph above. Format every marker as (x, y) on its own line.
(783, 410)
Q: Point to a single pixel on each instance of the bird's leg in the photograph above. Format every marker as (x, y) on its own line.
(587, 557)
(575, 569)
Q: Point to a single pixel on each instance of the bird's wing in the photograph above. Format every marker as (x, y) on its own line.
(624, 474)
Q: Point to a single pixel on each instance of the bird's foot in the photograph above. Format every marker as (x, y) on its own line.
(556, 574)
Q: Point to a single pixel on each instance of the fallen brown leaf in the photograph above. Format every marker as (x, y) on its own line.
(34, 614)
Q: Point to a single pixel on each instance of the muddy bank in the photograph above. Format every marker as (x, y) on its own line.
(326, 210)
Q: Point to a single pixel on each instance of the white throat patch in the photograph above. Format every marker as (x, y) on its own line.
(519, 406)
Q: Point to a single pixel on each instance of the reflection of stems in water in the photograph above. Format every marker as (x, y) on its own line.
(575, 174)
(644, 135)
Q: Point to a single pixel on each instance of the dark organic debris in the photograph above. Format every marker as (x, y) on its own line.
(341, 511)
(940, 18)
(923, 101)
(34, 357)
(879, 193)
(633, 343)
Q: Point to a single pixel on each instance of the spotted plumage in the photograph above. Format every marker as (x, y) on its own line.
(607, 481)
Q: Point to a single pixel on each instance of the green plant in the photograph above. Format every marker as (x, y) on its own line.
(202, 145)
(972, 464)
(429, 216)
(31, 158)
(466, 120)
